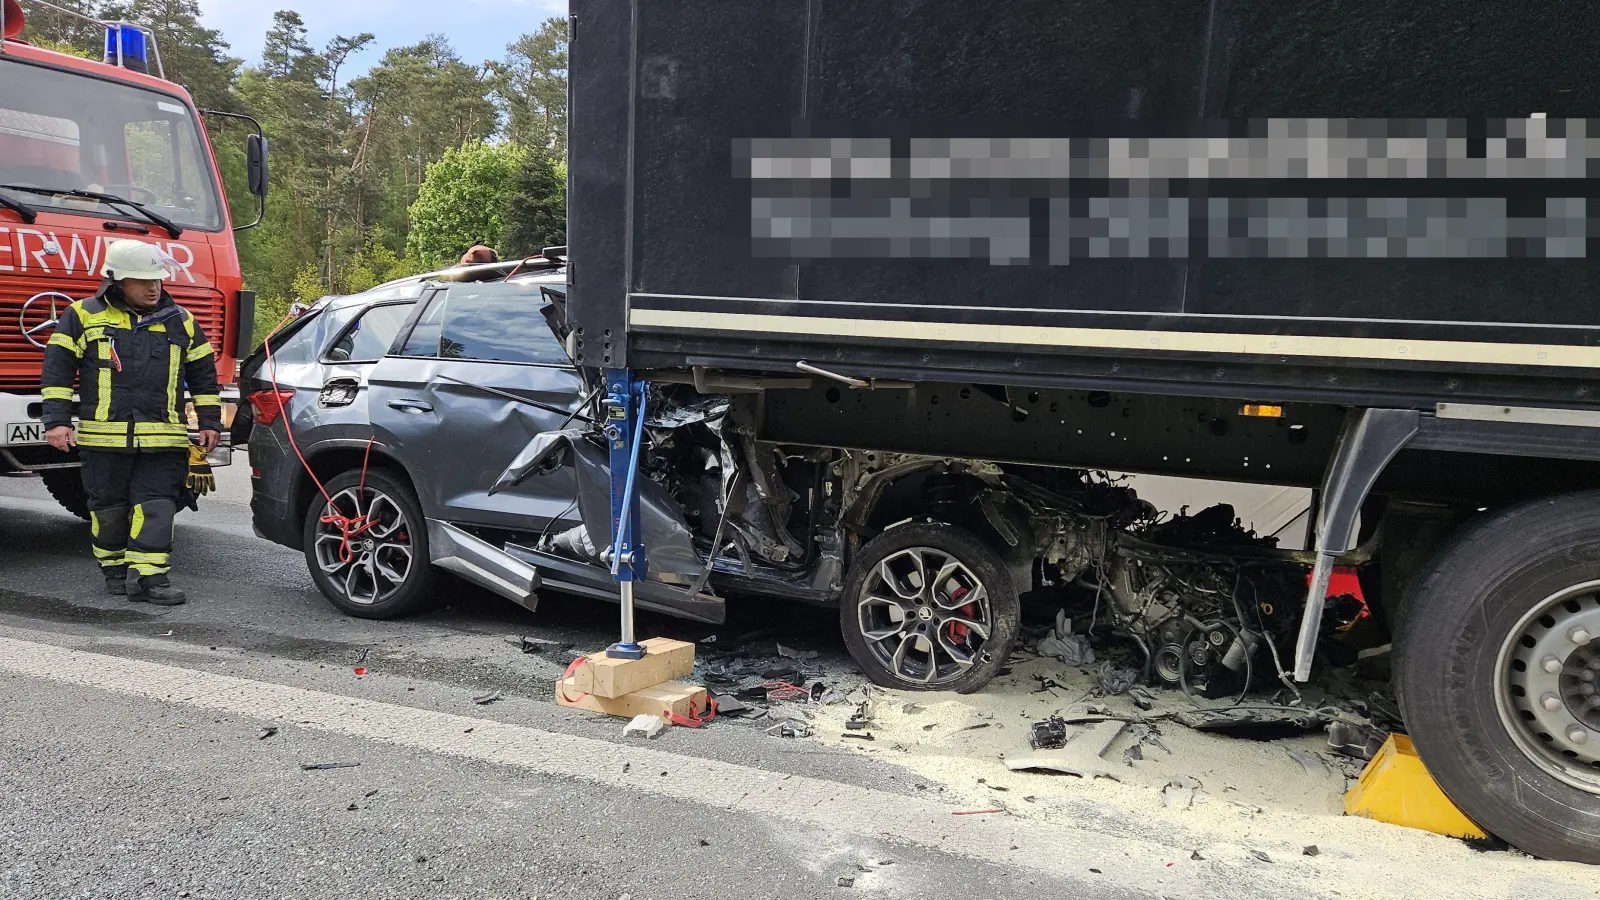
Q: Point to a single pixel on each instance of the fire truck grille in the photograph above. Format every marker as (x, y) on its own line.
(20, 360)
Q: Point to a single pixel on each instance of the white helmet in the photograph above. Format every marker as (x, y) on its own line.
(136, 259)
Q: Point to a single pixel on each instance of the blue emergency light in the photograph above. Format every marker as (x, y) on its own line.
(126, 47)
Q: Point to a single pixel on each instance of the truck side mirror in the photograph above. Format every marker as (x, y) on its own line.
(255, 152)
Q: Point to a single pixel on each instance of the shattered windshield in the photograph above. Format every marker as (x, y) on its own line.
(63, 131)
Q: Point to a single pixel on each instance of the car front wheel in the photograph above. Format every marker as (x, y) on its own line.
(929, 607)
(366, 545)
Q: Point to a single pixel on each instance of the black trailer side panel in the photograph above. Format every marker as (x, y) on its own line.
(662, 227)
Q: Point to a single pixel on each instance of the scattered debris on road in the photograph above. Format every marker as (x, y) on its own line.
(1355, 741)
(486, 699)
(1081, 754)
(1049, 734)
(790, 729)
(1179, 793)
(645, 725)
(318, 767)
(266, 732)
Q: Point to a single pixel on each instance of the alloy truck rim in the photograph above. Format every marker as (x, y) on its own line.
(1548, 677)
(378, 559)
(925, 616)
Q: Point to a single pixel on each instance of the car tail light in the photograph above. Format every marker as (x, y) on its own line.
(269, 404)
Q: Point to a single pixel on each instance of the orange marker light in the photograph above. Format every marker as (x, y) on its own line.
(1262, 410)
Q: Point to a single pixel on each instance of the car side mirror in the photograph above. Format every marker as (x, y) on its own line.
(255, 153)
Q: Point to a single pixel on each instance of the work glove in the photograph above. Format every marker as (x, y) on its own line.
(201, 480)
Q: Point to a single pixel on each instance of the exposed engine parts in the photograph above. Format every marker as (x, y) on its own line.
(1204, 604)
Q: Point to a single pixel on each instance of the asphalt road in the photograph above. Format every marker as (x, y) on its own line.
(133, 763)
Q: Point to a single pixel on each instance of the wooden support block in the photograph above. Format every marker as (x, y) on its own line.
(664, 660)
(674, 697)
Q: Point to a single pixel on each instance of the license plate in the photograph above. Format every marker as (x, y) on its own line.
(25, 433)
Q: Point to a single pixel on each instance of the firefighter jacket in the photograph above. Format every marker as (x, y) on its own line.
(131, 372)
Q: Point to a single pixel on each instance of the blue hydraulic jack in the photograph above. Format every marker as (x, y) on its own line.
(624, 431)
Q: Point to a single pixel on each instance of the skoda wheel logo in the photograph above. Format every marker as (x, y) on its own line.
(49, 324)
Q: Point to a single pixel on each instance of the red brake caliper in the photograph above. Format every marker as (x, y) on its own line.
(957, 631)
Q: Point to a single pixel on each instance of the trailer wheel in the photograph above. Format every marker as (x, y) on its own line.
(929, 607)
(66, 485)
(1499, 674)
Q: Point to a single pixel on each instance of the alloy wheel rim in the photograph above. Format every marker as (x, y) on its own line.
(925, 616)
(1548, 685)
(379, 559)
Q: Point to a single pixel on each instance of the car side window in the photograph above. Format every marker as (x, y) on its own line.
(424, 337)
(368, 338)
(497, 323)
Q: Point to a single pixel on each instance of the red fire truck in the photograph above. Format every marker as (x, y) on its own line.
(91, 152)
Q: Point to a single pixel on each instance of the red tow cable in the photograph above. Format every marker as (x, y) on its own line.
(349, 526)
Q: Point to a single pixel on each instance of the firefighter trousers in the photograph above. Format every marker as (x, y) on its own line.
(133, 500)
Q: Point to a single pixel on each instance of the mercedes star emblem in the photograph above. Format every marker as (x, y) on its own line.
(50, 323)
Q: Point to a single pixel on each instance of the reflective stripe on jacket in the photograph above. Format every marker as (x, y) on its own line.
(130, 374)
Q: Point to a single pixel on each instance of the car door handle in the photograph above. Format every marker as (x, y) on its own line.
(411, 406)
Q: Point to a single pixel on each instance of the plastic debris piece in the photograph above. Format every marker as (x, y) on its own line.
(1114, 680)
(1048, 734)
(486, 699)
(1142, 699)
(845, 881)
(1354, 741)
(976, 812)
(1179, 792)
(360, 670)
(1197, 857)
(1081, 755)
(647, 725)
(1133, 754)
(790, 653)
(1261, 856)
(1312, 763)
(317, 767)
(790, 728)
(1311, 851)
(859, 735)
(266, 732)
(1062, 644)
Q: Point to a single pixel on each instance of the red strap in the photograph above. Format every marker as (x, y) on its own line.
(694, 719)
(561, 686)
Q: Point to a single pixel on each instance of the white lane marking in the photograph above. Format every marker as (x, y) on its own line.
(1049, 849)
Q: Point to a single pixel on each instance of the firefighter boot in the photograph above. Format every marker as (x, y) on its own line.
(154, 589)
(116, 579)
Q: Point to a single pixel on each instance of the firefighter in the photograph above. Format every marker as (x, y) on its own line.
(131, 350)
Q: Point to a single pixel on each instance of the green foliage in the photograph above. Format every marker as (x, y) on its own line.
(535, 214)
(391, 172)
(532, 84)
(462, 201)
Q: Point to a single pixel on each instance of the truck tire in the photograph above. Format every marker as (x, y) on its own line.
(385, 572)
(910, 629)
(1497, 674)
(66, 485)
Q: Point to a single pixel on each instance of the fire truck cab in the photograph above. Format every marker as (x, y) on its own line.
(91, 152)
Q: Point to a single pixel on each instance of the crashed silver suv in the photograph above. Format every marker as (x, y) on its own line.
(439, 424)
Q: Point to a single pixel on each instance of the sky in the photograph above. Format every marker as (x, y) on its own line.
(479, 29)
